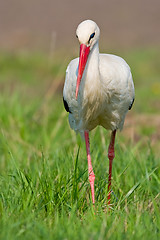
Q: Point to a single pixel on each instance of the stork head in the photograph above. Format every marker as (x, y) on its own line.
(88, 34)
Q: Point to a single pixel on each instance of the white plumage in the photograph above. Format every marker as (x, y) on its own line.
(106, 90)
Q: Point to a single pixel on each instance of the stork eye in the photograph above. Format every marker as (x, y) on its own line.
(91, 36)
(76, 36)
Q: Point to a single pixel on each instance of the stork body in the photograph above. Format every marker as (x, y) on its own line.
(98, 90)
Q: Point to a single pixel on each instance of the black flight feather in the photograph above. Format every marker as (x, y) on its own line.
(66, 105)
(131, 104)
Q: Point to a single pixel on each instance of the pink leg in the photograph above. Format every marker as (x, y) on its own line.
(90, 169)
(111, 157)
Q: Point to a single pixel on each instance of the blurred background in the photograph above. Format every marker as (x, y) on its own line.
(33, 24)
(37, 41)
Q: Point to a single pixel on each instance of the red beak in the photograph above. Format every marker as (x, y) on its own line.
(83, 56)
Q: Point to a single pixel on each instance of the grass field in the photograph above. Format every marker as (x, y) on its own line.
(44, 188)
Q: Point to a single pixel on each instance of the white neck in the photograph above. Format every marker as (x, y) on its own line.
(92, 67)
(91, 78)
(90, 86)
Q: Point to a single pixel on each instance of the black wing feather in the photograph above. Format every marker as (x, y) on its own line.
(66, 105)
(131, 104)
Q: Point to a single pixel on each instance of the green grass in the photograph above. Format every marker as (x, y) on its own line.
(44, 188)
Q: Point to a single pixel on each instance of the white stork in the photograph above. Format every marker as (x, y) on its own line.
(98, 90)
